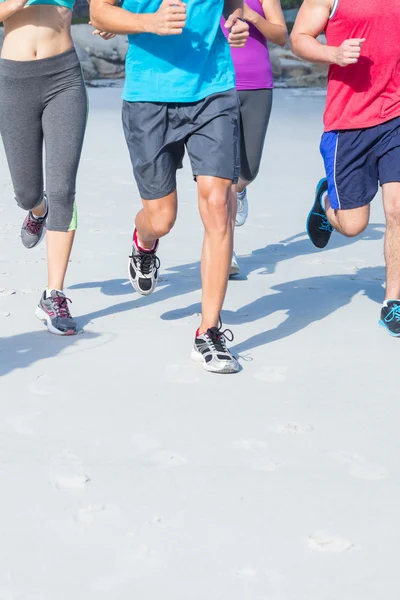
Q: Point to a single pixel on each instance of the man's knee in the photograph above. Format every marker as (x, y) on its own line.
(216, 208)
(163, 221)
(352, 222)
(392, 210)
(352, 229)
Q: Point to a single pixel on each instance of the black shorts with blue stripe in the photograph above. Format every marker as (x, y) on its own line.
(358, 160)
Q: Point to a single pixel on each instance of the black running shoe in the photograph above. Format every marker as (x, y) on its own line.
(210, 350)
(143, 268)
(318, 227)
(390, 317)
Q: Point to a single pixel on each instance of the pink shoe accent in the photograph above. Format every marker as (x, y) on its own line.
(135, 239)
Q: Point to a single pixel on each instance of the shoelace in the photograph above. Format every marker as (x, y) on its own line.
(34, 226)
(240, 205)
(61, 306)
(394, 314)
(324, 225)
(218, 338)
(146, 262)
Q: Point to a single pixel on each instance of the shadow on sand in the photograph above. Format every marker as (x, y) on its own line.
(22, 350)
(305, 301)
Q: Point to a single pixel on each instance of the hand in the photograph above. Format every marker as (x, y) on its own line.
(239, 31)
(170, 19)
(349, 52)
(102, 34)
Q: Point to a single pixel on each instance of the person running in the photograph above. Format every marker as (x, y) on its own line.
(43, 99)
(361, 142)
(254, 82)
(180, 92)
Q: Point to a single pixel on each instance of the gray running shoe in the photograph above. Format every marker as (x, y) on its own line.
(54, 311)
(143, 268)
(242, 208)
(235, 269)
(33, 230)
(210, 350)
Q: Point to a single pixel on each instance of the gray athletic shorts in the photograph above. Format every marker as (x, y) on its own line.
(157, 134)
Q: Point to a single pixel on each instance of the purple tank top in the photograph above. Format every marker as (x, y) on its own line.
(252, 63)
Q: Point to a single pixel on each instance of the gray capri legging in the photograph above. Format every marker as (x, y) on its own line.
(44, 101)
(255, 111)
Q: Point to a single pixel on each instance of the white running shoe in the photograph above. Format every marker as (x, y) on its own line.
(242, 209)
(211, 351)
(235, 269)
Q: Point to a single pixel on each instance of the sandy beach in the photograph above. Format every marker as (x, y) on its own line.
(127, 471)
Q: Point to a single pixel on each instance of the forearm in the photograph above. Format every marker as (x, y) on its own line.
(233, 7)
(277, 34)
(308, 48)
(9, 8)
(113, 19)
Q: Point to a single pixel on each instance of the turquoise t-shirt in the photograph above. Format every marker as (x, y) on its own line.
(179, 68)
(65, 3)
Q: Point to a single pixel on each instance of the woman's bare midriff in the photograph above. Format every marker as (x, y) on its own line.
(37, 32)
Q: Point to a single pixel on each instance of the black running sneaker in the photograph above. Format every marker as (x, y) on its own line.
(210, 350)
(390, 317)
(143, 268)
(318, 227)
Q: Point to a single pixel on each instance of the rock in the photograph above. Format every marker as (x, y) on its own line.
(313, 80)
(108, 70)
(294, 68)
(276, 64)
(113, 50)
(88, 67)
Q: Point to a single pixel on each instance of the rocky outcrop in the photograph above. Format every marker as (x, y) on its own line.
(290, 71)
(101, 59)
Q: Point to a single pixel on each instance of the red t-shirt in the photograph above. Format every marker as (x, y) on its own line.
(367, 93)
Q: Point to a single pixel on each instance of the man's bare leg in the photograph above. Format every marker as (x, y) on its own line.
(216, 206)
(391, 204)
(350, 222)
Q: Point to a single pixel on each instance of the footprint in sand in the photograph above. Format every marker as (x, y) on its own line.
(247, 573)
(181, 374)
(149, 452)
(272, 374)
(292, 429)
(44, 385)
(86, 515)
(5, 292)
(359, 467)
(321, 541)
(20, 423)
(163, 459)
(68, 473)
(257, 458)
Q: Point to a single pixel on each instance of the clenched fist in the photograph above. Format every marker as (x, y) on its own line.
(349, 52)
(170, 19)
(238, 31)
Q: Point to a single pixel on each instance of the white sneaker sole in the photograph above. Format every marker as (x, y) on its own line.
(44, 317)
(240, 222)
(234, 270)
(135, 285)
(198, 358)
